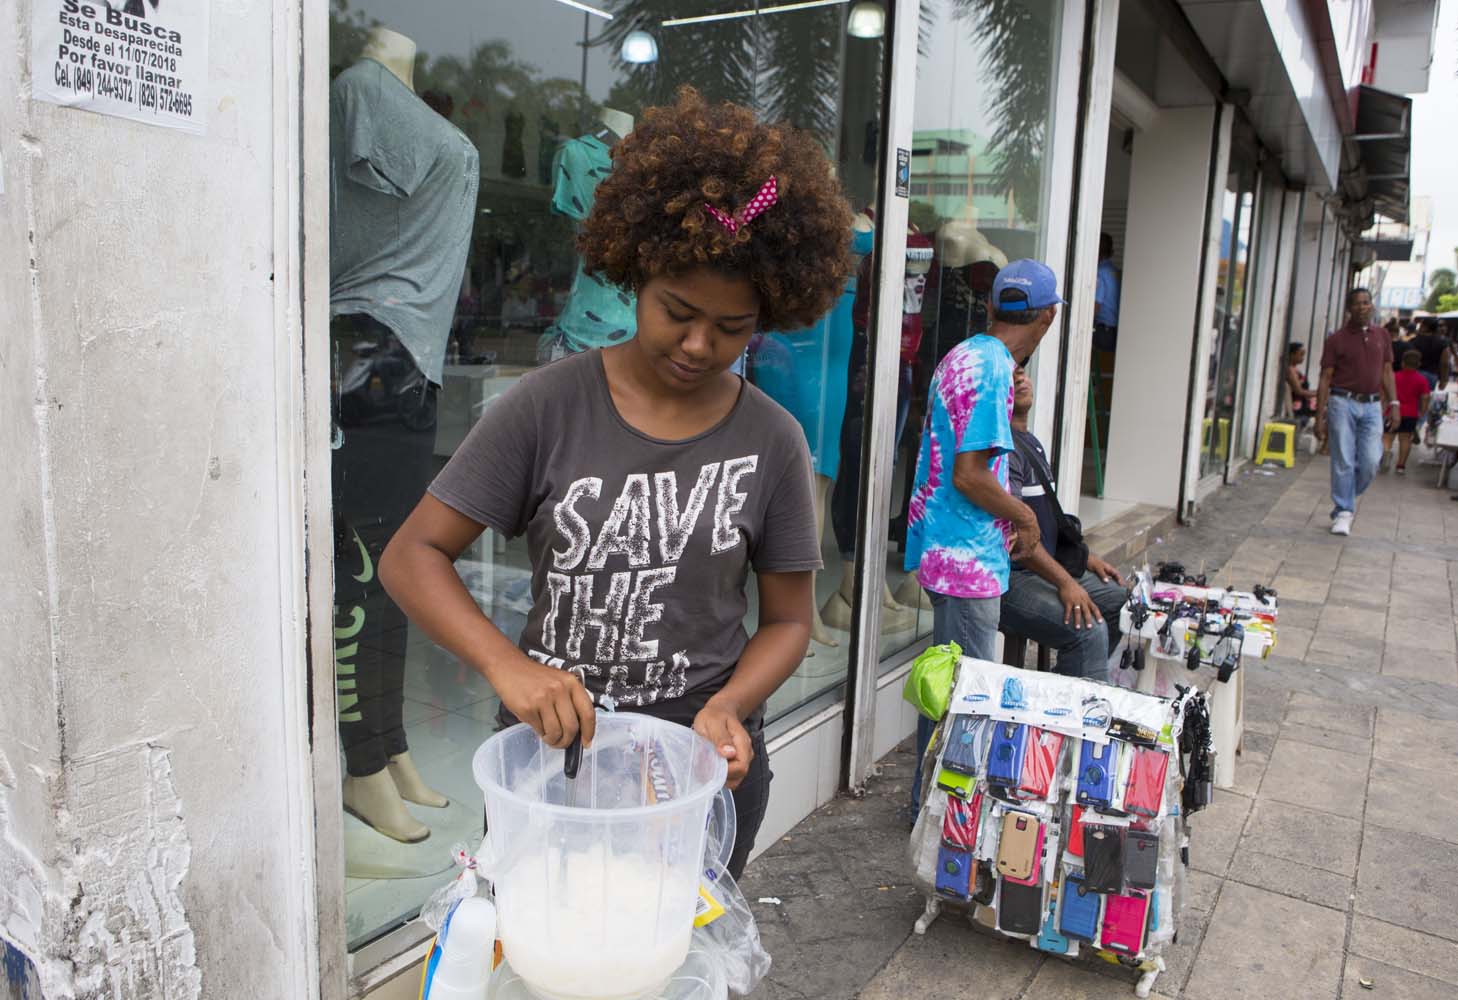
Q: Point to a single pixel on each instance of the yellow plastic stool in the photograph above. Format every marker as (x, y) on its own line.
(1221, 442)
(1286, 454)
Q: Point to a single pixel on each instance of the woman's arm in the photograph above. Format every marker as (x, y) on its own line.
(417, 570)
(772, 654)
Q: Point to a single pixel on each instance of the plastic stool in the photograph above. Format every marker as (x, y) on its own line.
(1286, 453)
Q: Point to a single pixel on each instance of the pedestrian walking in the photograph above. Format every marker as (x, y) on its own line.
(961, 520)
(1356, 402)
(1412, 397)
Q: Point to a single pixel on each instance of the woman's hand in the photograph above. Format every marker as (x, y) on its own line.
(553, 702)
(720, 725)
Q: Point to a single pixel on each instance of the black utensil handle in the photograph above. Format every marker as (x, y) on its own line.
(573, 758)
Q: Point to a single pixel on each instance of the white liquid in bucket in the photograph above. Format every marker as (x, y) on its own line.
(604, 935)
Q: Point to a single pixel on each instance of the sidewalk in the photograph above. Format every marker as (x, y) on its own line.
(1333, 862)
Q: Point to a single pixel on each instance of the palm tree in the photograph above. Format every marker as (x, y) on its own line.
(1440, 283)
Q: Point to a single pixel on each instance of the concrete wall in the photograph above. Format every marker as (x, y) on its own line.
(1169, 178)
(155, 817)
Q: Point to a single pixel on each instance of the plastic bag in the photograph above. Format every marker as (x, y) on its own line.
(727, 928)
(929, 685)
(465, 885)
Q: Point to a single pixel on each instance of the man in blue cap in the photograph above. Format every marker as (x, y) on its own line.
(963, 527)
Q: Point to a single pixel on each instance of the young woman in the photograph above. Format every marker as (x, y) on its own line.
(647, 477)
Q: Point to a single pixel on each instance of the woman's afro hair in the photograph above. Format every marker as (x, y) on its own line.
(648, 217)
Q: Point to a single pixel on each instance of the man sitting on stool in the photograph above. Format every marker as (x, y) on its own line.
(1079, 618)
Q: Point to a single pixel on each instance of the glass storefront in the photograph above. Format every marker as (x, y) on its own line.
(980, 178)
(1232, 282)
(466, 141)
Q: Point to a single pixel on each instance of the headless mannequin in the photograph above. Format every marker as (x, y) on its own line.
(379, 799)
(959, 244)
(837, 610)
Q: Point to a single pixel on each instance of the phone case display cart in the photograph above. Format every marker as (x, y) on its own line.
(1055, 812)
(1182, 632)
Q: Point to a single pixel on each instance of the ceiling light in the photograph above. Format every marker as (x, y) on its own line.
(575, 5)
(736, 14)
(867, 20)
(639, 47)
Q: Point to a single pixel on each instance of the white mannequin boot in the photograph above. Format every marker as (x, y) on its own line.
(411, 785)
(911, 594)
(374, 800)
(836, 611)
(818, 631)
(393, 51)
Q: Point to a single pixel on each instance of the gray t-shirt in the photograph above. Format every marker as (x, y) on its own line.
(640, 548)
(402, 185)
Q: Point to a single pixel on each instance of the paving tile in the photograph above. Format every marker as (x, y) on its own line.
(1292, 642)
(1408, 880)
(1420, 953)
(1438, 639)
(1291, 878)
(1421, 664)
(1261, 944)
(1293, 833)
(1062, 979)
(1180, 956)
(1417, 741)
(1216, 830)
(1369, 977)
(1265, 712)
(1250, 768)
(1361, 622)
(1359, 594)
(1315, 777)
(1331, 739)
(951, 961)
(1418, 801)
(1201, 889)
(1339, 649)
(1322, 713)
(1299, 588)
(1300, 614)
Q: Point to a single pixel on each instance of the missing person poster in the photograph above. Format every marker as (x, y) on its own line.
(146, 60)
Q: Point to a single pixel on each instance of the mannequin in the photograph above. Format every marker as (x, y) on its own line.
(837, 610)
(403, 184)
(595, 314)
(805, 372)
(969, 263)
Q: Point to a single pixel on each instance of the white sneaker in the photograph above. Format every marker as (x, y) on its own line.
(1342, 523)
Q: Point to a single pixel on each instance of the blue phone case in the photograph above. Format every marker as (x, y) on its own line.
(954, 872)
(1096, 768)
(1005, 757)
(961, 752)
(1078, 916)
(1049, 937)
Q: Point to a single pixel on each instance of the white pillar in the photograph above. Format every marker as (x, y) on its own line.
(1168, 188)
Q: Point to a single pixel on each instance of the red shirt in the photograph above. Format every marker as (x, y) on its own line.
(1356, 355)
(1411, 388)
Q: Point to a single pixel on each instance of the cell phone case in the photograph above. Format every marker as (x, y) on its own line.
(960, 824)
(1020, 847)
(1075, 832)
(956, 784)
(984, 886)
(1125, 920)
(1078, 914)
(1050, 938)
(1097, 766)
(1145, 788)
(1019, 908)
(954, 872)
(1103, 857)
(1141, 859)
(961, 752)
(1040, 762)
(1006, 753)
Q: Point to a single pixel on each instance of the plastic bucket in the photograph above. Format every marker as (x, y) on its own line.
(596, 900)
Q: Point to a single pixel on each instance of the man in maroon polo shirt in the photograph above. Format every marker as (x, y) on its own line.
(1356, 401)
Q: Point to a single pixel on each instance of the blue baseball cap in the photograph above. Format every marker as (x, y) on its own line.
(1025, 284)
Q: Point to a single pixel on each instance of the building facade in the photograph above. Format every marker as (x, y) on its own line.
(213, 439)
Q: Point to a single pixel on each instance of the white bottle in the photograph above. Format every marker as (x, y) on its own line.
(465, 960)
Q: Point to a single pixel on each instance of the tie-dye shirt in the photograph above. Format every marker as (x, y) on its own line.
(957, 548)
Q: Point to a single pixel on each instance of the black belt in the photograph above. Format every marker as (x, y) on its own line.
(1358, 397)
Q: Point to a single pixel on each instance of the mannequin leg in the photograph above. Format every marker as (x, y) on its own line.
(823, 484)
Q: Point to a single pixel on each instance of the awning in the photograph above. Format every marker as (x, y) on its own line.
(1384, 150)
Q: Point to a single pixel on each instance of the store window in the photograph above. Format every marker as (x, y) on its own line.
(466, 142)
(1222, 386)
(980, 176)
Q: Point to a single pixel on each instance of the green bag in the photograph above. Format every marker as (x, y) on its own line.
(929, 685)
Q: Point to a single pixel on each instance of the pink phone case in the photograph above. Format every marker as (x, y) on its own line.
(1032, 878)
(1145, 788)
(1124, 922)
(1040, 762)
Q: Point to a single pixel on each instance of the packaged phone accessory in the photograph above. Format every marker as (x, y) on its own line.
(1103, 857)
(1040, 762)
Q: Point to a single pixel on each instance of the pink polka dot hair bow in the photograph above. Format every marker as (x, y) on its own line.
(763, 199)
